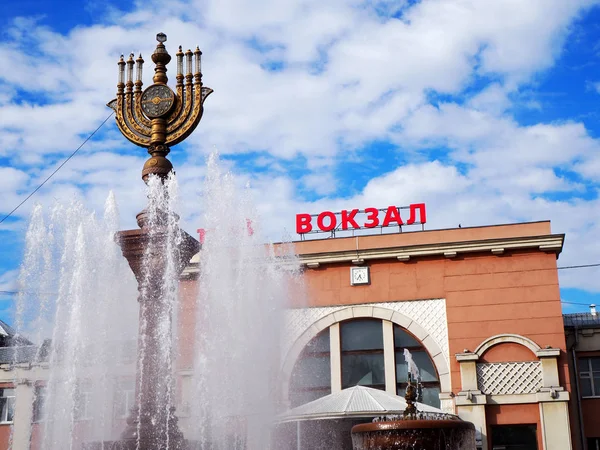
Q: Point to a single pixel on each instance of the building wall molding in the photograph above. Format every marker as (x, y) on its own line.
(549, 243)
(504, 338)
(511, 399)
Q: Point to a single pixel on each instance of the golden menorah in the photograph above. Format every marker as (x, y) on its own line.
(157, 117)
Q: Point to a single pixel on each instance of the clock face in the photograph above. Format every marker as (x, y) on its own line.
(157, 100)
(359, 275)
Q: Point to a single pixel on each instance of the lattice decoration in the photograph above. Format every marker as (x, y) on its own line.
(509, 377)
(430, 314)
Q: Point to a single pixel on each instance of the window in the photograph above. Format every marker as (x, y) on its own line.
(593, 443)
(362, 353)
(83, 402)
(514, 437)
(362, 356)
(124, 398)
(7, 405)
(127, 352)
(39, 404)
(429, 377)
(589, 376)
(311, 377)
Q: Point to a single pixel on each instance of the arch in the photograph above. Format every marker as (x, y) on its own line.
(365, 312)
(504, 338)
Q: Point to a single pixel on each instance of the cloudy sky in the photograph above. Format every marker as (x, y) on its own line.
(485, 111)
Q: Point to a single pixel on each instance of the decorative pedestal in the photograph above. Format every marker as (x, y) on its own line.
(146, 254)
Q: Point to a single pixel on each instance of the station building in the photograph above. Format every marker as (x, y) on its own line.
(479, 309)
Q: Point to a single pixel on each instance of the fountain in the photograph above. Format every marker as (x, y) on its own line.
(94, 321)
(414, 429)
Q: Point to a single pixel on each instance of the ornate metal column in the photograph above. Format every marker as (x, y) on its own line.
(155, 119)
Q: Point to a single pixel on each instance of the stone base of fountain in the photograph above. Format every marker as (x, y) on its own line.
(131, 444)
(110, 445)
(422, 434)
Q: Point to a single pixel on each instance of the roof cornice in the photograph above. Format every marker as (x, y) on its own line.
(552, 243)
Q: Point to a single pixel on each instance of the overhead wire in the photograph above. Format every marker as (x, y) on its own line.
(57, 169)
(580, 266)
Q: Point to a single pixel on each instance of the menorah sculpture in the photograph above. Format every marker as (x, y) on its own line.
(156, 119)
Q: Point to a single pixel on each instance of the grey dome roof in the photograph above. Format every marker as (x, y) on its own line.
(6, 330)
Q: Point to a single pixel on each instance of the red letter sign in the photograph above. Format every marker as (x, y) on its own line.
(332, 221)
(327, 221)
(413, 213)
(392, 215)
(303, 224)
(374, 220)
(348, 219)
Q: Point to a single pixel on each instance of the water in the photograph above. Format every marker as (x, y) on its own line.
(76, 290)
(81, 294)
(413, 370)
(243, 288)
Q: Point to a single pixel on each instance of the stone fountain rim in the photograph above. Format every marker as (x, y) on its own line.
(411, 424)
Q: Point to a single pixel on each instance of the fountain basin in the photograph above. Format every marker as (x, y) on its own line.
(422, 434)
(131, 444)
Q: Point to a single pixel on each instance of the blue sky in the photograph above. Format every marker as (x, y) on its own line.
(486, 111)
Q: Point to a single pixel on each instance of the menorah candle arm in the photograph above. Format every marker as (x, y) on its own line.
(130, 63)
(124, 126)
(135, 125)
(137, 111)
(187, 104)
(121, 79)
(179, 76)
(138, 77)
(178, 103)
(197, 66)
(193, 119)
(188, 66)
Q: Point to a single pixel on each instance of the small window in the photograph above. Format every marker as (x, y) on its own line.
(39, 404)
(430, 384)
(83, 402)
(361, 334)
(7, 405)
(514, 437)
(311, 377)
(362, 353)
(404, 340)
(589, 376)
(124, 398)
(593, 443)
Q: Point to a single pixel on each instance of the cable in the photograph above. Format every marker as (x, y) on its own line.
(575, 303)
(57, 169)
(579, 267)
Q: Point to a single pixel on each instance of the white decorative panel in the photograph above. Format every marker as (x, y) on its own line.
(429, 314)
(509, 377)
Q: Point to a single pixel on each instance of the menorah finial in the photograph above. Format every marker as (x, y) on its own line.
(161, 58)
(157, 117)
